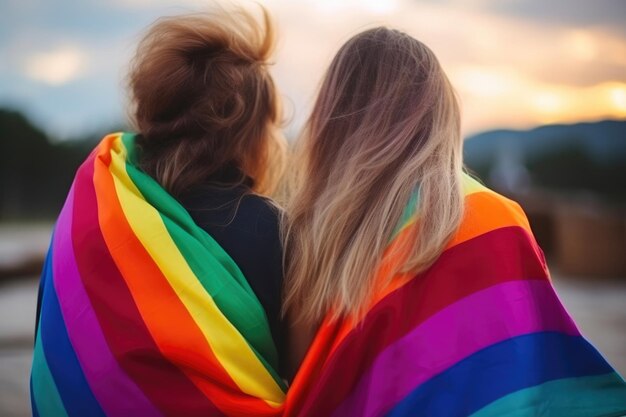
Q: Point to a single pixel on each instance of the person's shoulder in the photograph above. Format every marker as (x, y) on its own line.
(498, 225)
(486, 211)
(484, 202)
(264, 206)
(265, 212)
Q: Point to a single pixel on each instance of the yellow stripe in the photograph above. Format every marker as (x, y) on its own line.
(228, 345)
(471, 186)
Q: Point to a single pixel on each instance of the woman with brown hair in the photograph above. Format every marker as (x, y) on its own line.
(208, 116)
(162, 287)
(411, 289)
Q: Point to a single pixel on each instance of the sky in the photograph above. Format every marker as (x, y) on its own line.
(514, 63)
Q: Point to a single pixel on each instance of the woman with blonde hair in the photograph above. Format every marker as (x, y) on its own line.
(162, 287)
(411, 289)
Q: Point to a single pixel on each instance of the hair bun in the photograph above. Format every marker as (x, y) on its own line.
(196, 82)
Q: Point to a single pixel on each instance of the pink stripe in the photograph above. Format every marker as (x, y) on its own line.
(116, 392)
(473, 323)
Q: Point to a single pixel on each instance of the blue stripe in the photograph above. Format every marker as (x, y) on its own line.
(66, 371)
(44, 393)
(42, 280)
(33, 406)
(501, 369)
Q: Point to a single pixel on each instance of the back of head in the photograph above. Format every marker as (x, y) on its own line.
(385, 124)
(203, 99)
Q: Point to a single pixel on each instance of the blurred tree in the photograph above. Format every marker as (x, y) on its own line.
(35, 173)
(23, 150)
(572, 168)
(587, 157)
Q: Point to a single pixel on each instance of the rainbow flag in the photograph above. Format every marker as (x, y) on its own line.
(142, 313)
(481, 333)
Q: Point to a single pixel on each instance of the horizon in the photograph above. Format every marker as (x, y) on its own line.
(89, 134)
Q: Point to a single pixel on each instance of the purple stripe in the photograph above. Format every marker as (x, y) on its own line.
(473, 323)
(117, 394)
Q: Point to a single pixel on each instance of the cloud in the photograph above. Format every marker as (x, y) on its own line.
(583, 13)
(562, 13)
(56, 67)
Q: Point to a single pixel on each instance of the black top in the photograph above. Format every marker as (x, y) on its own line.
(246, 226)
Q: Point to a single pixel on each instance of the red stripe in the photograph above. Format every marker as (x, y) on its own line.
(167, 387)
(502, 255)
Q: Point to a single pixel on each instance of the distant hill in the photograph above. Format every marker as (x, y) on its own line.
(604, 141)
(587, 157)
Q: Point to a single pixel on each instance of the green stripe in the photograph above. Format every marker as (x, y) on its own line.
(603, 395)
(407, 214)
(468, 182)
(216, 270)
(45, 394)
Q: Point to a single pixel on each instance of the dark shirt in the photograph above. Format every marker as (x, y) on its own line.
(246, 226)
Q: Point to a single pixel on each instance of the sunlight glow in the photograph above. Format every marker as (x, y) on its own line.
(547, 102)
(581, 45)
(56, 67)
(380, 6)
(618, 98)
(377, 7)
(485, 81)
(330, 6)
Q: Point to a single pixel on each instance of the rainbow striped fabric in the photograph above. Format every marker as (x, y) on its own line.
(481, 333)
(143, 314)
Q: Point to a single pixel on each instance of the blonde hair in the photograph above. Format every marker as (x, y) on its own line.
(203, 99)
(386, 123)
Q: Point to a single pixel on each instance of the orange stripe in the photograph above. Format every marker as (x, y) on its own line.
(166, 317)
(486, 211)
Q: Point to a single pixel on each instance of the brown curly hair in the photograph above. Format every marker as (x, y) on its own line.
(203, 100)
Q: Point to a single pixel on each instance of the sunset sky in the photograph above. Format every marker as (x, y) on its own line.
(514, 63)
